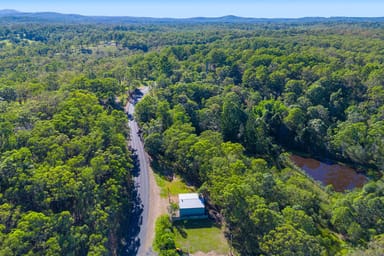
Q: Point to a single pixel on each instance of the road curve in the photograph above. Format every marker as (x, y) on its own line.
(139, 219)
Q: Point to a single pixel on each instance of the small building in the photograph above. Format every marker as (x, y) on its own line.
(191, 204)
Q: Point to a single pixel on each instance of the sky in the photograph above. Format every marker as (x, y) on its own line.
(204, 8)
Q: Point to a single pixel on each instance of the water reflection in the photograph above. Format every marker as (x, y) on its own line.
(341, 177)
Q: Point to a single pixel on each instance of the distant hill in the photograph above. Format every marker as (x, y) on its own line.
(8, 12)
(13, 16)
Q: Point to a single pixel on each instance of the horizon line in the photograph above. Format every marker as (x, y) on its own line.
(11, 12)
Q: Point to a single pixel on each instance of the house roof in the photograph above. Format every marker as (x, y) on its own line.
(190, 200)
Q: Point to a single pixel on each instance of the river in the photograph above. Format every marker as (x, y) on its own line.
(341, 177)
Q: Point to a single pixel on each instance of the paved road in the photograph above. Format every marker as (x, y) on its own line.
(137, 245)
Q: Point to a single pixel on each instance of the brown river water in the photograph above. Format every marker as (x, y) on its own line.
(341, 177)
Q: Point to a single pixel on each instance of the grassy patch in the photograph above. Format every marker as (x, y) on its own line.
(175, 187)
(6, 43)
(200, 235)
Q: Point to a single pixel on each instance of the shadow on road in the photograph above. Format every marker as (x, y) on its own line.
(132, 241)
(136, 164)
(136, 218)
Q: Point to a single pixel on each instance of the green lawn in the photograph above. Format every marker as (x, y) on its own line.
(200, 235)
(174, 187)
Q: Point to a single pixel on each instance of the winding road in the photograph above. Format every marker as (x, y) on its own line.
(142, 221)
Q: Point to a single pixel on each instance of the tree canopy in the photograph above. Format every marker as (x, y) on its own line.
(226, 101)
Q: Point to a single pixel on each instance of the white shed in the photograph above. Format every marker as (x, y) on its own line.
(191, 204)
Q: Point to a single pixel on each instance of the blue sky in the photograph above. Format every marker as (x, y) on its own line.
(207, 8)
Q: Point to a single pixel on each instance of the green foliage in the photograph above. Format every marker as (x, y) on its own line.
(232, 117)
(223, 96)
(375, 247)
(286, 240)
(164, 241)
(145, 110)
(65, 179)
(260, 96)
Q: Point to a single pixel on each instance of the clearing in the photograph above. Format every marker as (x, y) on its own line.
(174, 187)
(205, 236)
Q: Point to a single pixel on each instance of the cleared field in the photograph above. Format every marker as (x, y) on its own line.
(200, 235)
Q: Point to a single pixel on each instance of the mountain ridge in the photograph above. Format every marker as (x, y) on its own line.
(9, 15)
(8, 11)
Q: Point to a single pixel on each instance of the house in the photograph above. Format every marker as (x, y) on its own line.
(191, 204)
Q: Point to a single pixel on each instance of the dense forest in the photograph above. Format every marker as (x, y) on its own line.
(227, 103)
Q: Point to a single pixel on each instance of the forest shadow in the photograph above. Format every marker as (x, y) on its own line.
(161, 169)
(136, 215)
(136, 164)
(181, 231)
(132, 240)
